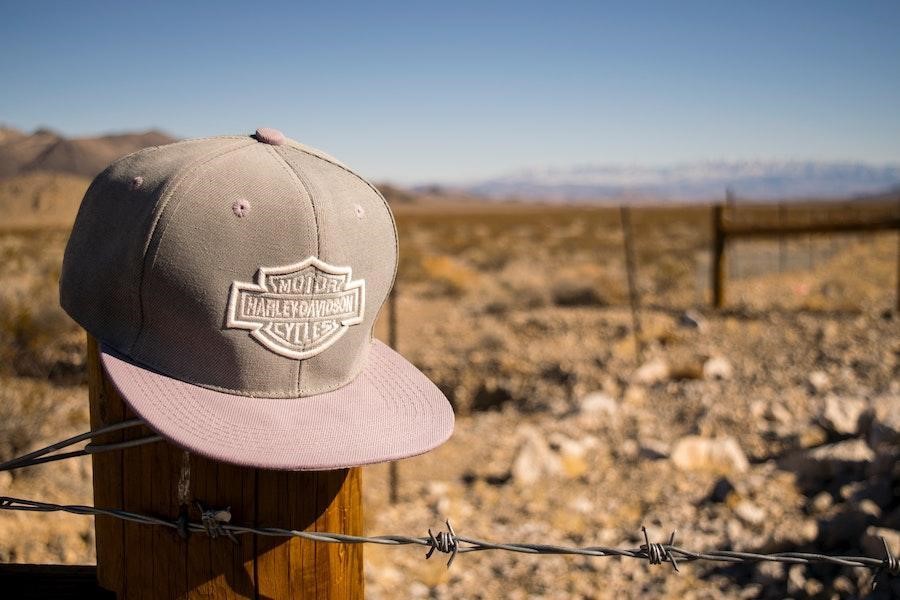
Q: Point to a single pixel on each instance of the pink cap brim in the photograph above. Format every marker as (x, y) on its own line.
(389, 411)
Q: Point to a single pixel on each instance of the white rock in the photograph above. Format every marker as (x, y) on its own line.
(581, 504)
(821, 502)
(849, 450)
(599, 403)
(885, 428)
(841, 415)
(572, 453)
(654, 371)
(717, 367)
(535, 460)
(720, 455)
(819, 381)
(750, 513)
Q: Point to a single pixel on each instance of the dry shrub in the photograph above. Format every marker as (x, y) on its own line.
(449, 276)
(520, 285)
(582, 284)
(37, 339)
(23, 414)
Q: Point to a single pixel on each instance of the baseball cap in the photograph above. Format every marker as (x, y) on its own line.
(233, 284)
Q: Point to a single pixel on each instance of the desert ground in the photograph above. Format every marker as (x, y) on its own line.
(772, 424)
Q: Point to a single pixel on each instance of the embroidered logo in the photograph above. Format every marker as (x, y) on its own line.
(298, 310)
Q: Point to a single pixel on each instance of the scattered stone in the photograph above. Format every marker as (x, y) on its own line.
(599, 403)
(652, 372)
(691, 320)
(572, 454)
(818, 382)
(812, 437)
(796, 579)
(843, 586)
(629, 448)
(534, 460)
(813, 588)
(718, 455)
(769, 571)
(749, 512)
(779, 413)
(850, 490)
(885, 426)
(635, 395)
(869, 507)
(842, 415)
(717, 368)
(821, 502)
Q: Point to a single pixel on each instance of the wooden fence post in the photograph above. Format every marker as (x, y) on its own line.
(717, 266)
(782, 242)
(145, 561)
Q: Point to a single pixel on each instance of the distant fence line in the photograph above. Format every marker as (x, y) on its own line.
(725, 229)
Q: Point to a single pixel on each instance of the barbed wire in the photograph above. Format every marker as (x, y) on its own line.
(217, 522)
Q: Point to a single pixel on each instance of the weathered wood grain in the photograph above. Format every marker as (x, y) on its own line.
(140, 561)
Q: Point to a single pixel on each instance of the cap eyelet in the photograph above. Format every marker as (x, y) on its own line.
(240, 208)
(137, 182)
(360, 211)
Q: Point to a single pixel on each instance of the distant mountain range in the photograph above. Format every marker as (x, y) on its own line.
(762, 180)
(48, 151)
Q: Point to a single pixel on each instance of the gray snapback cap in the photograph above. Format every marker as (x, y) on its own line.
(233, 283)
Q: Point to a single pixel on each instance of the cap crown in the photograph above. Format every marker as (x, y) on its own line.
(240, 266)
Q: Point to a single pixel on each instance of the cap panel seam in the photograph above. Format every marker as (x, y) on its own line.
(307, 187)
(168, 192)
(338, 164)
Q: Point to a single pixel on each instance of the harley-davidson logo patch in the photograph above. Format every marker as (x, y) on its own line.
(298, 310)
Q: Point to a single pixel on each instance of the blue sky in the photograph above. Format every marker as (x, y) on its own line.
(414, 92)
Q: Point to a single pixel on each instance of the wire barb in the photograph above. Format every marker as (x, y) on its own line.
(890, 565)
(445, 541)
(657, 553)
(214, 520)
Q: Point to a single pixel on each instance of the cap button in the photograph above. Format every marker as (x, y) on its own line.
(270, 136)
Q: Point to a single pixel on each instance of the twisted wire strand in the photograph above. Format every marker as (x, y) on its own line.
(217, 522)
(40, 456)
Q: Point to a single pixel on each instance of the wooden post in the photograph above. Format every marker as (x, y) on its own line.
(146, 561)
(734, 263)
(717, 266)
(782, 243)
(394, 467)
(631, 271)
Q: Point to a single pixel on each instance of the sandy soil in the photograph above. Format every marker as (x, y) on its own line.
(764, 426)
